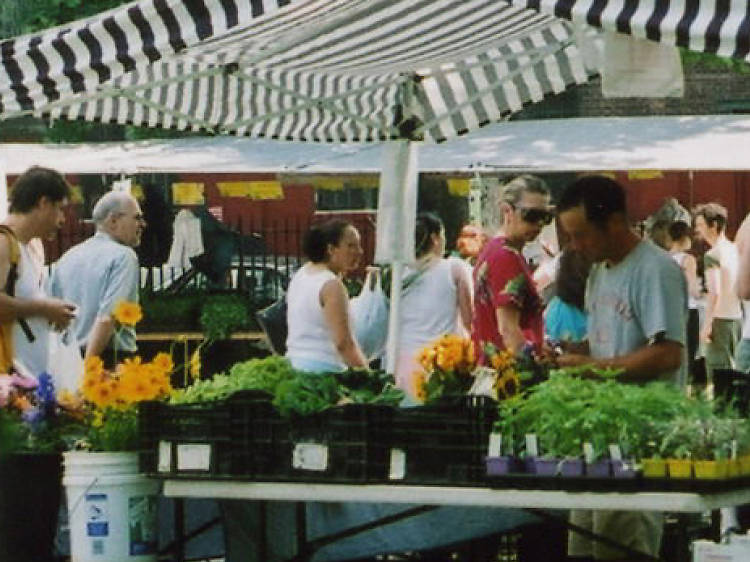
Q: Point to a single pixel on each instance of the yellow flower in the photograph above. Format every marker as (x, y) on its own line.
(105, 393)
(195, 364)
(93, 366)
(420, 381)
(134, 386)
(502, 360)
(163, 362)
(127, 313)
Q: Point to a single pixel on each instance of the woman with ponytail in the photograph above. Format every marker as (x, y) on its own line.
(436, 299)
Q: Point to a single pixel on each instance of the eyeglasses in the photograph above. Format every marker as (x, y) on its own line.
(535, 215)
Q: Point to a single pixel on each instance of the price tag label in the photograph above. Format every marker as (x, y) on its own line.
(532, 445)
(193, 456)
(165, 457)
(496, 445)
(398, 465)
(614, 452)
(588, 452)
(310, 456)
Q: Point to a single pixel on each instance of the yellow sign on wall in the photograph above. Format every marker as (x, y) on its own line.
(258, 190)
(459, 186)
(185, 193)
(645, 174)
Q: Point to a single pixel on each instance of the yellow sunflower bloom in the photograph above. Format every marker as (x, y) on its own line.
(163, 362)
(93, 366)
(127, 313)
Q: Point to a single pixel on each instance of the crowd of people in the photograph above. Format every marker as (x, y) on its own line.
(610, 298)
(617, 300)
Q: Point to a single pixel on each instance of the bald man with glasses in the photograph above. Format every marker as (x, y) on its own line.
(507, 307)
(100, 272)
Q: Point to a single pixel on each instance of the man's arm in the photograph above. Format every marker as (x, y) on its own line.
(743, 249)
(99, 336)
(641, 365)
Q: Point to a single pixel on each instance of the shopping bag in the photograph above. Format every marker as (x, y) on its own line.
(272, 320)
(65, 363)
(369, 316)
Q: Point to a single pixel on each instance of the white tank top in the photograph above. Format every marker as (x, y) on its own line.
(429, 306)
(31, 282)
(309, 337)
(679, 257)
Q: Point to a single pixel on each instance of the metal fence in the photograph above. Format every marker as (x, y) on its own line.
(254, 257)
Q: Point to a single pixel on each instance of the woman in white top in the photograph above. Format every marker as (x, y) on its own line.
(320, 337)
(436, 299)
(681, 242)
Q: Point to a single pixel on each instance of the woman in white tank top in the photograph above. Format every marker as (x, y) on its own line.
(320, 337)
(436, 299)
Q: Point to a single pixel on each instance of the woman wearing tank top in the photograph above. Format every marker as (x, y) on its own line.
(679, 233)
(436, 299)
(320, 337)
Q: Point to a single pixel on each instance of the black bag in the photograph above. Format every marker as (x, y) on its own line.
(272, 320)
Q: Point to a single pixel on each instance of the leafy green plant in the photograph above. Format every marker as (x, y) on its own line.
(171, 312)
(222, 315)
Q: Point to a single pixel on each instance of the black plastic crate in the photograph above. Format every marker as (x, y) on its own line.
(348, 443)
(185, 440)
(446, 442)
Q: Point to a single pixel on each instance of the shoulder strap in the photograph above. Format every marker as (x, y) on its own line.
(10, 284)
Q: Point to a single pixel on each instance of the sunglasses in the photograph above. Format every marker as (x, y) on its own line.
(534, 215)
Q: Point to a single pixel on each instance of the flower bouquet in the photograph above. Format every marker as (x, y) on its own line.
(446, 368)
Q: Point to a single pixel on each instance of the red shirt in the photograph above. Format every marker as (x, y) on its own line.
(502, 277)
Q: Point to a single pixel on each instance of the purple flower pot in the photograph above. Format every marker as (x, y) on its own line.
(599, 469)
(623, 468)
(498, 466)
(571, 467)
(546, 467)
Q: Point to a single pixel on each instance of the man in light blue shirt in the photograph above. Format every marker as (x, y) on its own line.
(102, 271)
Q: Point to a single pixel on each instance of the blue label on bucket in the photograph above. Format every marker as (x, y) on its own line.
(97, 518)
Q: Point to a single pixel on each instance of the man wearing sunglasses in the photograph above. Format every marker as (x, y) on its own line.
(507, 307)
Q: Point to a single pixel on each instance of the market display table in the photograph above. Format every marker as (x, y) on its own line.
(682, 502)
(677, 502)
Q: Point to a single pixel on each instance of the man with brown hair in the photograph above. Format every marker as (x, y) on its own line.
(720, 332)
(26, 312)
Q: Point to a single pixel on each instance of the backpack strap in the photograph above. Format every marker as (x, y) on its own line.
(10, 284)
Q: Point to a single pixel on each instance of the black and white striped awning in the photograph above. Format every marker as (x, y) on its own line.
(332, 70)
(320, 70)
(721, 27)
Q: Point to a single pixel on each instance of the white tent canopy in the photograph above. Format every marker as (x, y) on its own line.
(667, 143)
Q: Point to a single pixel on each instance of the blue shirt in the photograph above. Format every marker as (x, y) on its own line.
(96, 275)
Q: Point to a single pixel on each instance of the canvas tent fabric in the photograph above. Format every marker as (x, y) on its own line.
(684, 142)
(320, 70)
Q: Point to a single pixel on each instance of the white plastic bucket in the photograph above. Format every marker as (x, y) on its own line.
(112, 509)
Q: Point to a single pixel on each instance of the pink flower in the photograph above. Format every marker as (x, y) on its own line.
(6, 386)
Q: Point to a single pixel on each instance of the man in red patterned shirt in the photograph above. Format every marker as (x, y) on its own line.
(507, 307)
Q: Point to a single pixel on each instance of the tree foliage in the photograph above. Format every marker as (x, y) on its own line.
(50, 13)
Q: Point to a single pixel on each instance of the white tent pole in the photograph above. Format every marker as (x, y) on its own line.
(395, 238)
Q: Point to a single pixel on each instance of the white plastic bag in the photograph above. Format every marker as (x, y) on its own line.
(65, 363)
(369, 315)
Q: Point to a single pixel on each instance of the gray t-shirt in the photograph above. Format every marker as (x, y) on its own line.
(636, 302)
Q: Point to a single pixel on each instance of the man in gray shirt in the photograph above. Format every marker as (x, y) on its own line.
(636, 300)
(102, 271)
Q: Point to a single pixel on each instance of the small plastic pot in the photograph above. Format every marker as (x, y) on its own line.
(599, 469)
(654, 468)
(624, 468)
(680, 468)
(499, 466)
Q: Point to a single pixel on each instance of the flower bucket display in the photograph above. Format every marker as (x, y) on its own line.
(29, 506)
(112, 509)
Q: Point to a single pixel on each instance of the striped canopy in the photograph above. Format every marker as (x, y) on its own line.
(325, 70)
